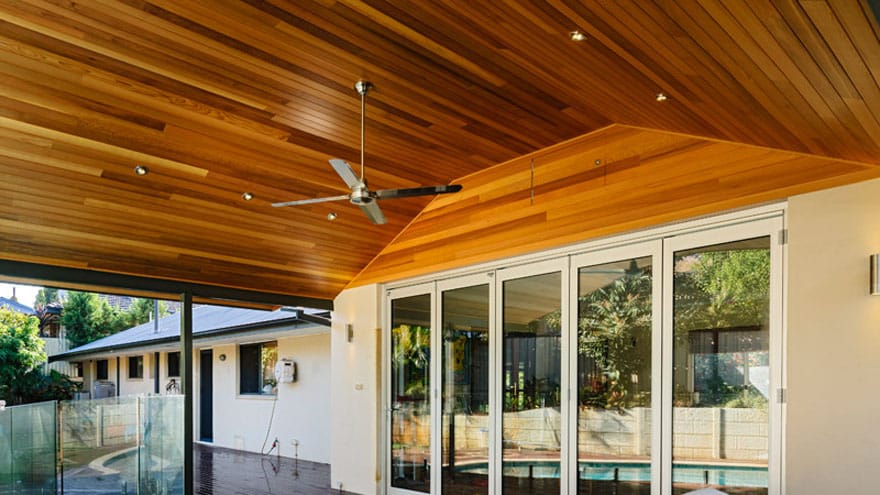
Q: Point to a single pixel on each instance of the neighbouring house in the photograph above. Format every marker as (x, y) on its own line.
(235, 353)
(51, 331)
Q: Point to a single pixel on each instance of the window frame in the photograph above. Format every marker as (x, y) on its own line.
(106, 370)
(261, 378)
(136, 364)
(168, 370)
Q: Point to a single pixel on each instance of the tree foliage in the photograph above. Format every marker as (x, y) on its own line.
(21, 350)
(87, 317)
(46, 296)
(611, 321)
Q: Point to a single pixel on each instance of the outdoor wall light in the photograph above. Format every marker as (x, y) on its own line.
(349, 328)
(875, 274)
(222, 357)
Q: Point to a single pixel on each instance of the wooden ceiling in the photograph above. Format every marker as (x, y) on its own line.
(218, 98)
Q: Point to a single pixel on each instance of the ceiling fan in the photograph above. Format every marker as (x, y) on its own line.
(362, 195)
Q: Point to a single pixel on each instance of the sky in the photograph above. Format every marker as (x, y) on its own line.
(25, 293)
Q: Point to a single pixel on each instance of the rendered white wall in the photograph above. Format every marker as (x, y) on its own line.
(356, 391)
(302, 411)
(833, 357)
(134, 386)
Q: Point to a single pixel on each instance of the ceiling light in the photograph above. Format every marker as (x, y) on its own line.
(661, 97)
(332, 216)
(577, 36)
(141, 170)
(247, 196)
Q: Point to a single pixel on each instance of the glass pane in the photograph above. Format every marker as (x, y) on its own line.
(160, 467)
(27, 449)
(466, 390)
(410, 398)
(100, 432)
(531, 425)
(614, 378)
(721, 368)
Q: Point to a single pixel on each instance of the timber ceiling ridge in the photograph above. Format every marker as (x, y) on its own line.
(355, 281)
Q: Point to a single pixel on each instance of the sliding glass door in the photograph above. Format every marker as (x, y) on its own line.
(616, 376)
(647, 368)
(532, 318)
(466, 372)
(723, 345)
(409, 406)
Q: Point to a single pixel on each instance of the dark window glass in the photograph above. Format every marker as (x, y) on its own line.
(257, 368)
(173, 364)
(102, 369)
(136, 367)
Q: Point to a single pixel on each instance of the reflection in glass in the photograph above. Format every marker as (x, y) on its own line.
(410, 398)
(531, 425)
(465, 407)
(721, 368)
(614, 377)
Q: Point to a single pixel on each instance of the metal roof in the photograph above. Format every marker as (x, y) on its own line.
(16, 306)
(207, 321)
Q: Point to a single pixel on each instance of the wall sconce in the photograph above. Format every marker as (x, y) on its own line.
(875, 274)
(222, 357)
(350, 329)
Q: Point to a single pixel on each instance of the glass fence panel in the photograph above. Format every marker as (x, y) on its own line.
(99, 440)
(161, 451)
(27, 442)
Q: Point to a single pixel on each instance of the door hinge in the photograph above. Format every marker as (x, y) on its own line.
(781, 395)
(783, 237)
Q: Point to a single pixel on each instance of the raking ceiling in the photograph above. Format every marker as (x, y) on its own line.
(221, 98)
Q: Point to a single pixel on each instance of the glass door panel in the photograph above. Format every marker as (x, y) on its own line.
(614, 377)
(721, 367)
(465, 390)
(531, 384)
(410, 404)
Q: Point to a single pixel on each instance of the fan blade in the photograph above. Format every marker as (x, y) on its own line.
(372, 211)
(310, 201)
(417, 191)
(344, 170)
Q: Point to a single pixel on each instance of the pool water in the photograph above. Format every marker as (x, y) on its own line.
(720, 475)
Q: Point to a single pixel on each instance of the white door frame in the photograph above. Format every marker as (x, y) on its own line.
(652, 249)
(772, 228)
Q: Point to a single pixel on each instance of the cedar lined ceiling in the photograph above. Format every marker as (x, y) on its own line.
(218, 98)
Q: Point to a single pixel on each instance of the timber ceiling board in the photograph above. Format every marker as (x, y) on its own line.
(218, 98)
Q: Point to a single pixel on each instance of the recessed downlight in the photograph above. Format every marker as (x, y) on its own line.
(577, 36)
(332, 216)
(247, 196)
(141, 170)
(661, 97)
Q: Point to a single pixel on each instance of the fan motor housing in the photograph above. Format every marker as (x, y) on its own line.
(360, 195)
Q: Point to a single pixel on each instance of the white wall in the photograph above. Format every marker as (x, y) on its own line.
(356, 391)
(302, 411)
(134, 386)
(833, 342)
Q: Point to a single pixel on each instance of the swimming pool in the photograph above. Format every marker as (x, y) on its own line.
(714, 474)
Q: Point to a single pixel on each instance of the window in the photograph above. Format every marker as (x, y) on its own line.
(136, 367)
(77, 370)
(102, 369)
(257, 368)
(173, 364)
